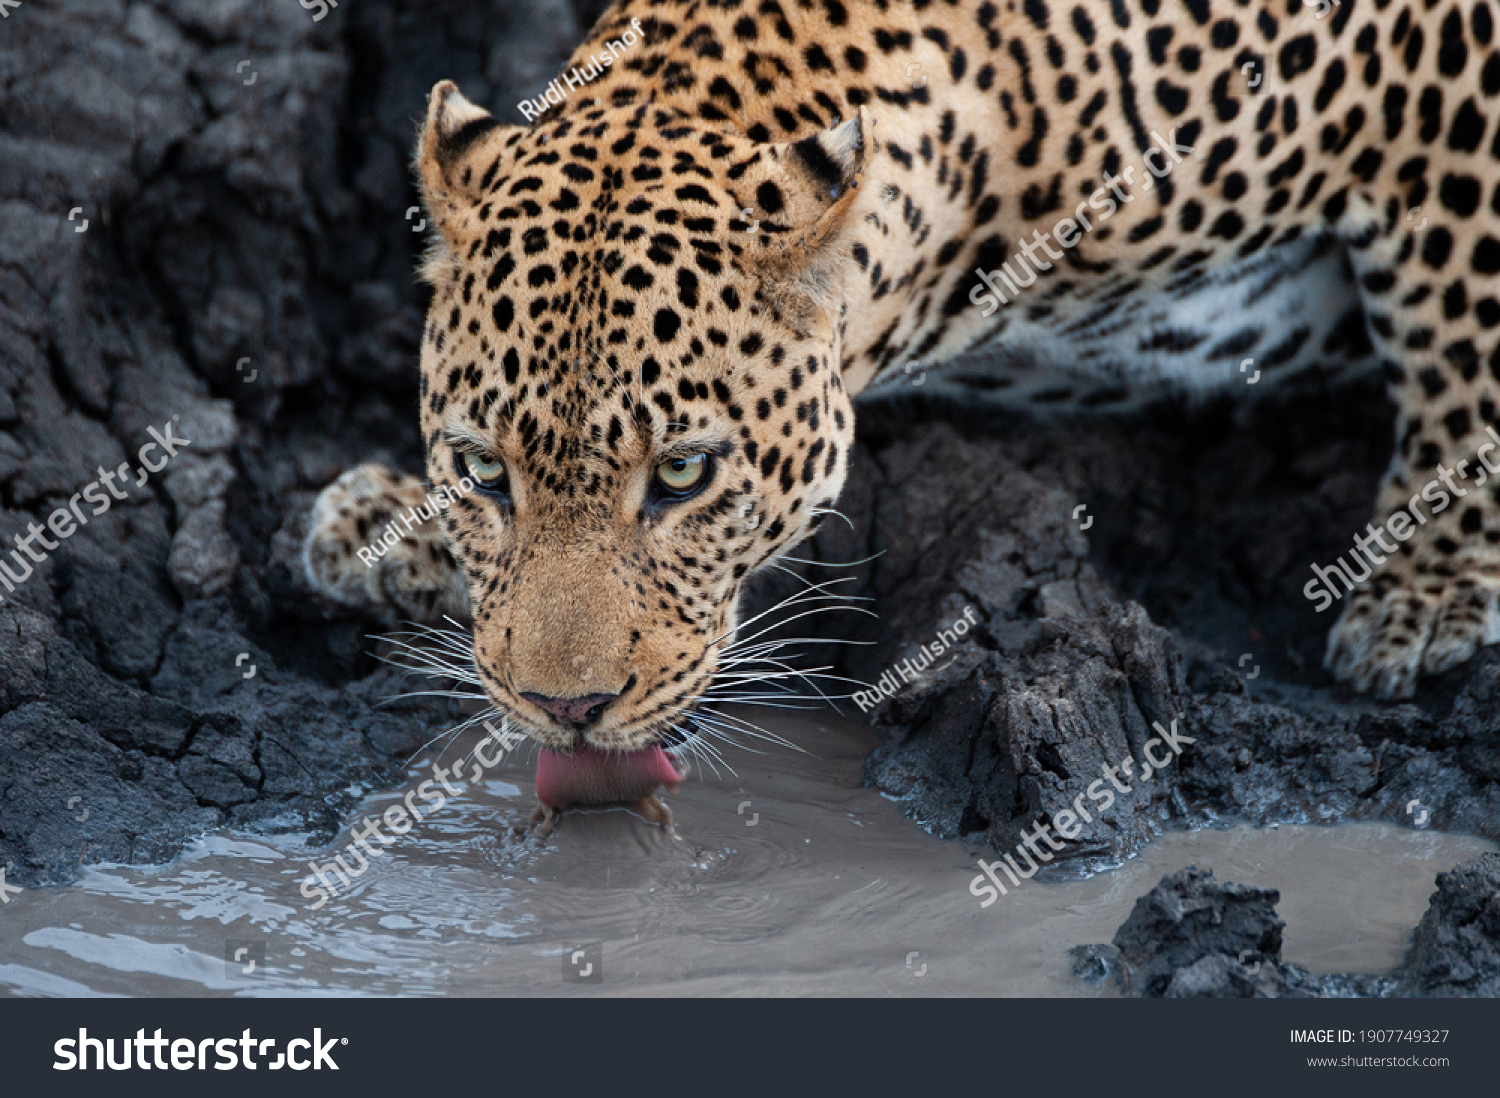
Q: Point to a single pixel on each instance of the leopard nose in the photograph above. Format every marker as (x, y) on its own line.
(579, 711)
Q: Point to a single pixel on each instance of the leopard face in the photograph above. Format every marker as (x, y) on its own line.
(642, 386)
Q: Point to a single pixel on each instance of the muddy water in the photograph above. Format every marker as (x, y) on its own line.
(785, 879)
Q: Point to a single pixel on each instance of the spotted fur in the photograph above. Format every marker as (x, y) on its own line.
(346, 556)
(768, 206)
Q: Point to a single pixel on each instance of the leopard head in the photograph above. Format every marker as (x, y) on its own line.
(632, 355)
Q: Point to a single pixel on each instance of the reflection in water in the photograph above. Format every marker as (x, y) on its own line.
(788, 878)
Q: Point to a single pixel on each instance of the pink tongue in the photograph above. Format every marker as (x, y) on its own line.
(591, 776)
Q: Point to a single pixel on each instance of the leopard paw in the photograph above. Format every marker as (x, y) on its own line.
(1395, 630)
(375, 542)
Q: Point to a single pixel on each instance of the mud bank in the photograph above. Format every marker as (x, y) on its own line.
(1182, 601)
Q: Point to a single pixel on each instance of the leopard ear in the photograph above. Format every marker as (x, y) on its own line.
(459, 146)
(803, 193)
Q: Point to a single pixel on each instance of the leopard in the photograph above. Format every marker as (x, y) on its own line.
(654, 302)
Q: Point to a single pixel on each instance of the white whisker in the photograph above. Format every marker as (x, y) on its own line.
(834, 564)
(831, 511)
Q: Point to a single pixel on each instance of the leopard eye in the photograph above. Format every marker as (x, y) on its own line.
(681, 476)
(489, 473)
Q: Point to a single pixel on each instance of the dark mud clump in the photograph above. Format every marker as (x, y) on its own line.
(1456, 948)
(1194, 937)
